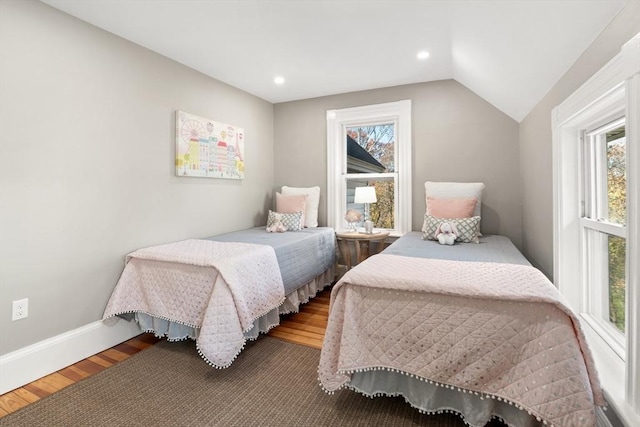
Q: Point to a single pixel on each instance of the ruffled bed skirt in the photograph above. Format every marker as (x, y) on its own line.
(174, 331)
(430, 398)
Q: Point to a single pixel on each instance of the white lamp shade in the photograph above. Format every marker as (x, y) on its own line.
(365, 195)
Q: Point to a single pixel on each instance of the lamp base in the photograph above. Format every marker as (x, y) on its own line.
(368, 227)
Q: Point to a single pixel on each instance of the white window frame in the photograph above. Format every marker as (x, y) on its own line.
(338, 121)
(595, 229)
(612, 92)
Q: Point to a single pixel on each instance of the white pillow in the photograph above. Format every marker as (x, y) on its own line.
(455, 190)
(313, 201)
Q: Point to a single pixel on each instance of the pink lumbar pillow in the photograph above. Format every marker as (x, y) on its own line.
(451, 208)
(292, 204)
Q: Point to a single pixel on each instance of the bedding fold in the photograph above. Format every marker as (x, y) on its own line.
(177, 332)
(220, 288)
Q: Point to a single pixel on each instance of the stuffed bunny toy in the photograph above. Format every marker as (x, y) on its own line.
(277, 226)
(447, 233)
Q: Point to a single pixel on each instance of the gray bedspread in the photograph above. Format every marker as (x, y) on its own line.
(492, 248)
(302, 255)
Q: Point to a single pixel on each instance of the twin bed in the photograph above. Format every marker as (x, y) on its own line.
(471, 329)
(223, 290)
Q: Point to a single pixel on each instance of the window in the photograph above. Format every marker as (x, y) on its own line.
(596, 221)
(603, 223)
(370, 152)
(370, 146)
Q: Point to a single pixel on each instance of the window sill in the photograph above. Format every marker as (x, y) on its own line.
(607, 335)
(611, 370)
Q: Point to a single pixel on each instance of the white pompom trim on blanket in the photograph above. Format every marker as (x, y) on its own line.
(311, 289)
(482, 395)
(244, 341)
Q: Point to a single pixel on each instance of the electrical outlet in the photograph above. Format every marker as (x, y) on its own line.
(20, 309)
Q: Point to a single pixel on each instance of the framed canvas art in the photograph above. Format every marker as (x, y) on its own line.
(209, 149)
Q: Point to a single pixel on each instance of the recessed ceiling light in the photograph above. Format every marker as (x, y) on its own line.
(423, 54)
(278, 80)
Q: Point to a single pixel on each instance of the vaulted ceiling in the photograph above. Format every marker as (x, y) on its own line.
(509, 52)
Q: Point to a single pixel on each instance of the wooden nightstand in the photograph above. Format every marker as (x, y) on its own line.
(362, 242)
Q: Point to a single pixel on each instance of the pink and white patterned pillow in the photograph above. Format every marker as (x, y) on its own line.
(291, 221)
(468, 228)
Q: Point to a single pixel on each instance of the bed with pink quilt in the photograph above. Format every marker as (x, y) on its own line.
(471, 329)
(223, 290)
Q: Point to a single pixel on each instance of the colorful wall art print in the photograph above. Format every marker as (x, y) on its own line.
(206, 148)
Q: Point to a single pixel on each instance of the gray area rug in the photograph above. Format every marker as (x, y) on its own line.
(272, 383)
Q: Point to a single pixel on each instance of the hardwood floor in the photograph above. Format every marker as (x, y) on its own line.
(306, 328)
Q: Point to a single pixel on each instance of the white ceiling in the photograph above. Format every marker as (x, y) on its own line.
(509, 52)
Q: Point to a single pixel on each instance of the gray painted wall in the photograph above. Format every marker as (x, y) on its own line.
(457, 136)
(86, 165)
(535, 138)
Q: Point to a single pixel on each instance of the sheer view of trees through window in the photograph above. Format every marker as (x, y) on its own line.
(378, 141)
(617, 207)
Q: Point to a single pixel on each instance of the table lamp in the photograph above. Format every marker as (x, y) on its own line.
(366, 195)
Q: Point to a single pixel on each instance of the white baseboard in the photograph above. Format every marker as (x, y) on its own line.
(23, 366)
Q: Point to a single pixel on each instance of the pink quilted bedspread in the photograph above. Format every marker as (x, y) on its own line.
(497, 330)
(218, 287)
